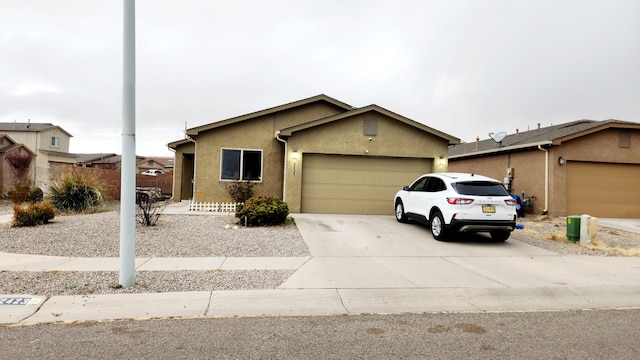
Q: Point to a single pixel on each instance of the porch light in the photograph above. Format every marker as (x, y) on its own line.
(441, 160)
(561, 160)
(294, 154)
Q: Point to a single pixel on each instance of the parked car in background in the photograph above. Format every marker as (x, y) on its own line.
(457, 202)
(152, 172)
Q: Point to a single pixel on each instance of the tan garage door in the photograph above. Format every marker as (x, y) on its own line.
(603, 190)
(337, 184)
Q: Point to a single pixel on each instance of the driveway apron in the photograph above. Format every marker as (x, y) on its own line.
(377, 252)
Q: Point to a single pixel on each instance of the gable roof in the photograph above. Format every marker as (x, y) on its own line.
(371, 108)
(551, 135)
(30, 127)
(318, 98)
(7, 137)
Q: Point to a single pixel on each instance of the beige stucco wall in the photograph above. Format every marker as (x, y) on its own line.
(253, 134)
(346, 137)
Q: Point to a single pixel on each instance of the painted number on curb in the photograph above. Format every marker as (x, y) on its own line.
(14, 301)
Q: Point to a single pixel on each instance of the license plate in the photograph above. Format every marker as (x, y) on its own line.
(488, 209)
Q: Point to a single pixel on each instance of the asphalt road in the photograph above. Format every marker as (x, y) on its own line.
(590, 334)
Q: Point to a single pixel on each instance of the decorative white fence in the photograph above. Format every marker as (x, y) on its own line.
(212, 207)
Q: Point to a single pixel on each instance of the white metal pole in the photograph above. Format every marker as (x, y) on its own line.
(128, 170)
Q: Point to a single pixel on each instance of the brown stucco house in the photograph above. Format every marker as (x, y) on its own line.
(318, 154)
(18, 164)
(581, 167)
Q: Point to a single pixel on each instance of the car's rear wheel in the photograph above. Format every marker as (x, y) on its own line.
(500, 235)
(438, 229)
(400, 215)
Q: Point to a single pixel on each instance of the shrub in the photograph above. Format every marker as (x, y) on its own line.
(263, 210)
(75, 192)
(24, 192)
(148, 212)
(240, 191)
(30, 214)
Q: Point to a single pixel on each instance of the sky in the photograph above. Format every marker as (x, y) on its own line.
(463, 67)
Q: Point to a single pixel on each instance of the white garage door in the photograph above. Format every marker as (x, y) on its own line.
(603, 190)
(337, 184)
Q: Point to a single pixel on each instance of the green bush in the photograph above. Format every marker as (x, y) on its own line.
(30, 214)
(24, 192)
(263, 210)
(76, 192)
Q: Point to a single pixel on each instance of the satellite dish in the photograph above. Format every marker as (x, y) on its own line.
(498, 137)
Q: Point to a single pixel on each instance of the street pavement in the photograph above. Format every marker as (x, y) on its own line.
(358, 265)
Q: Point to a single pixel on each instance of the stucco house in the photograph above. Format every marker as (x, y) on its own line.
(17, 165)
(580, 167)
(49, 143)
(318, 154)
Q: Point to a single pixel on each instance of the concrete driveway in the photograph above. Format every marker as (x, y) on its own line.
(376, 252)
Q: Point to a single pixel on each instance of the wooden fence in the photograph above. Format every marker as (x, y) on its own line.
(111, 179)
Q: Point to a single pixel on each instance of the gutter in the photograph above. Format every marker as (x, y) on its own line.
(546, 179)
(284, 178)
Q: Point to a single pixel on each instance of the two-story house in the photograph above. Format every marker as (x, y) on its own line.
(49, 143)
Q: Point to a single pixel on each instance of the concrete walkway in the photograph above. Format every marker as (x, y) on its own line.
(359, 264)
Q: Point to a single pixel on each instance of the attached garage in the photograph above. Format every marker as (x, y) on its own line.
(347, 184)
(603, 189)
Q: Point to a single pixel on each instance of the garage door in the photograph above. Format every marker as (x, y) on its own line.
(337, 184)
(603, 190)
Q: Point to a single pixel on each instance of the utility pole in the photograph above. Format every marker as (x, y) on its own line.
(128, 168)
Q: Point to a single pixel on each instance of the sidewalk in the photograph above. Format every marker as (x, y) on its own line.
(358, 265)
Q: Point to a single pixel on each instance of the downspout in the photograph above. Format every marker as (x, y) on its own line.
(284, 178)
(195, 152)
(546, 179)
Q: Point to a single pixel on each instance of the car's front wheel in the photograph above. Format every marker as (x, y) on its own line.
(500, 235)
(400, 215)
(438, 229)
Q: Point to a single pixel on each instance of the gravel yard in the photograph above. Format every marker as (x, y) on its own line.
(97, 235)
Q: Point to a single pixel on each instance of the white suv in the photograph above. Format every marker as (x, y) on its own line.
(450, 202)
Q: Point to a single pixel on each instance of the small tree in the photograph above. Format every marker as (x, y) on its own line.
(240, 191)
(19, 164)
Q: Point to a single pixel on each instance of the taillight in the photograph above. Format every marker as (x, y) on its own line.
(459, 201)
(511, 202)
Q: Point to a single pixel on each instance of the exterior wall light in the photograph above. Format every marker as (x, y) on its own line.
(441, 160)
(294, 154)
(561, 160)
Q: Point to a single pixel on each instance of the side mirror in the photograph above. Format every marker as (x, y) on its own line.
(405, 188)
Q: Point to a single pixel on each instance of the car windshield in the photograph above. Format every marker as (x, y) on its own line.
(480, 188)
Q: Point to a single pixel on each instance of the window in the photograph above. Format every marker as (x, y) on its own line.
(241, 165)
(55, 141)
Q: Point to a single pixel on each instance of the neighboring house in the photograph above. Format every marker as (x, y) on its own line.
(49, 143)
(98, 161)
(581, 167)
(18, 164)
(319, 155)
(153, 163)
(114, 162)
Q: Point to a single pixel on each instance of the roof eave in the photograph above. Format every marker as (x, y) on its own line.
(505, 149)
(194, 131)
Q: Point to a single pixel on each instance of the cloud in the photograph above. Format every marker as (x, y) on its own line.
(461, 66)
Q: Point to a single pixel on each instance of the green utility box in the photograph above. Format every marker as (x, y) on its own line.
(573, 228)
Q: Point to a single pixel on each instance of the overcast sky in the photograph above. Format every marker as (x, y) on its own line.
(464, 67)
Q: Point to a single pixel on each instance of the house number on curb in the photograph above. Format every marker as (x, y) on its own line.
(14, 301)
